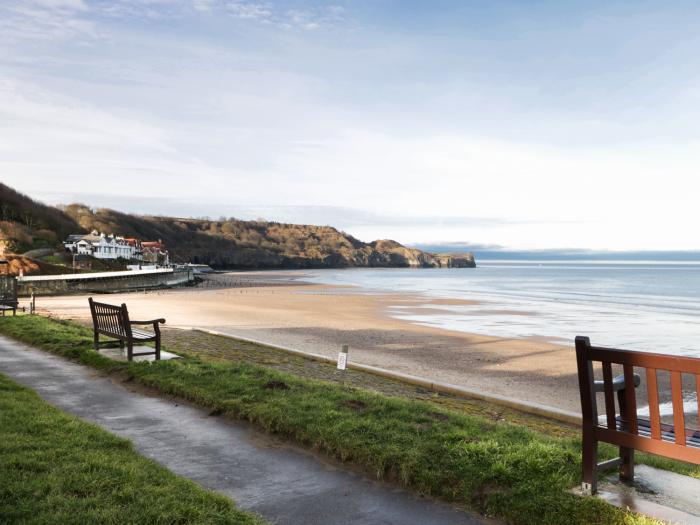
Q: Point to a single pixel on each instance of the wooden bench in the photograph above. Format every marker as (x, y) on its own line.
(627, 430)
(113, 321)
(8, 295)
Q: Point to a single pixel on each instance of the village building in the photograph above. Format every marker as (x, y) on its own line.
(112, 247)
(154, 252)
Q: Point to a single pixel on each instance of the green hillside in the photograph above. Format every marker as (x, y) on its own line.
(26, 224)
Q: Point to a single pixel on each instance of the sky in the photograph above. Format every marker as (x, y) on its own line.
(524, 124)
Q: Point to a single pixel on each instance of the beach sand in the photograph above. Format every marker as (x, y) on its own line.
(273, 308)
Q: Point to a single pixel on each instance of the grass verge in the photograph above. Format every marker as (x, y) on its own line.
(496, 468)
(55, 468)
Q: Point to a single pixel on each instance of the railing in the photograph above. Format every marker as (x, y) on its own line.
(95, 275)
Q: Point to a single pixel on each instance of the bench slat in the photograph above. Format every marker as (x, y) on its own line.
(609, 396)
(677, 399)
(653, 396)
(697, 396)
(644, 359)
(668, 432)
(646, 444)
(630, 398)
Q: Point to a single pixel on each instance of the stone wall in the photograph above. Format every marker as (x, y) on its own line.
(104, 283)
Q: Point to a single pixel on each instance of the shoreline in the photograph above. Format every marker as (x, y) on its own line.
(321, 318)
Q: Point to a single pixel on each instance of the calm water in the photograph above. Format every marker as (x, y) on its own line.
(642, 305)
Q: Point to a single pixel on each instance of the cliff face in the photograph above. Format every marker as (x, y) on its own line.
(461, 260)
(391, 253)
(233, 243)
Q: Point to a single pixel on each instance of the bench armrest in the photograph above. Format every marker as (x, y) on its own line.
(152, 321)
(618, 383)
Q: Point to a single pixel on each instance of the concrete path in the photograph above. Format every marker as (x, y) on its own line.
(285, 484)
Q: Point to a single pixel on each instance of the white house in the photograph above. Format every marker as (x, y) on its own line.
(103, 246)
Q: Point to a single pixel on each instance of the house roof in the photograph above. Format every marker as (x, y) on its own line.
(91, 238)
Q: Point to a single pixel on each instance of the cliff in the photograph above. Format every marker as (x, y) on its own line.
(224, 243)
(457, 260)
(234, 243)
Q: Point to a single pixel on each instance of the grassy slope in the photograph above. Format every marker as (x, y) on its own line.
(496, 468)
(55, 468)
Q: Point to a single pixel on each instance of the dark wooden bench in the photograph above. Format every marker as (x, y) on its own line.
(8, 295)
(113, 321)
(627, 430)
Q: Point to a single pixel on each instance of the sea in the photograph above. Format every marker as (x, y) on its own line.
(640, 305)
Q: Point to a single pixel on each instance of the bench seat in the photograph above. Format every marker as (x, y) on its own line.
(6, 308)
(142, 335)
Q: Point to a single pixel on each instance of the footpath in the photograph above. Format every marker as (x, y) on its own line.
(283, 483)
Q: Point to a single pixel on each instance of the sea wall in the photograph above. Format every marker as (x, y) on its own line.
(104, 282)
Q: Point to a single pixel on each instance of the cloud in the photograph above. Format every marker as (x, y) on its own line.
(250, 10)
(78, 5)
(308, 18)
(314, 18)
(203, 5)
(44, 20)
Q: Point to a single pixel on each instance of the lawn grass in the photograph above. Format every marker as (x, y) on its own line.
(55, 468)
(496, 468)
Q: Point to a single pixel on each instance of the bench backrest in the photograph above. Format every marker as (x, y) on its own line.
(110, 318)
(628, 434)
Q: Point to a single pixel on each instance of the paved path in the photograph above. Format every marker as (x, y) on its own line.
(285, 484)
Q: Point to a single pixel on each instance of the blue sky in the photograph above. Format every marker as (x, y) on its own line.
(523, 124)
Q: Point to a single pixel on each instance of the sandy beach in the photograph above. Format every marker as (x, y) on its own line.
(274, 308)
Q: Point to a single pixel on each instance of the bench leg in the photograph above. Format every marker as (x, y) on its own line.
(96, 341)
(130, 350)
(589, 465)
(626, 454)
(121, 343)
(158, 348)
(627, 465)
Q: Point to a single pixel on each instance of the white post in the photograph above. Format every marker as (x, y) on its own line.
(343, 358)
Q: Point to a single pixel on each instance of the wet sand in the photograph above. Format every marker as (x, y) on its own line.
(271, 307)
